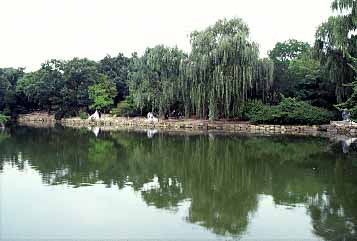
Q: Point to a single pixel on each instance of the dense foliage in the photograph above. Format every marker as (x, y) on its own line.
(9, 102)
(3, 119)
(282, 55)
(68, 87)
(336, 44)
(224, 70)
(351, 103)
(127, 108)
(154, 80)
(289, 111)
(102, 94)
(218, 78)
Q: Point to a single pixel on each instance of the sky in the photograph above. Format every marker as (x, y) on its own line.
(33, 31)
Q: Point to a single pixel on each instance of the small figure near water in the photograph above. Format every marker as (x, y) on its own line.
(151, 118)
(151, 133)
(94, 129)
(150, 115)
(345, 115)
(346, 118)
(346, 143)
(95, 116)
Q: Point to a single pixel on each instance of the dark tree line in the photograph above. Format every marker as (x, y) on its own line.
(220, 78)
(65, 87)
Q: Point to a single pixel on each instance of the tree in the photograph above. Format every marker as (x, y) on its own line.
(8, 80)
(336, 44)
(288, 50)
(282, 54)
(308, 82)
(224, 70)
(102, 94)
(79, 74)
(155, 79)
(42, 88)
(126, 107)
(351, 103)
(5, 87)
(116, 68)
(344, 26)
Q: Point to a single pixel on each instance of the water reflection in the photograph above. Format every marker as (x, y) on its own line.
(347, 142)
(151, 133)
(222, 176)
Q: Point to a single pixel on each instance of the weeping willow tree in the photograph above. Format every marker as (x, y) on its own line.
(336, 42)
(344, 27)
(223, 71)
(154, 79)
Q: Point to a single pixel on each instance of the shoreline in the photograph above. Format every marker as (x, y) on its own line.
(191, 125)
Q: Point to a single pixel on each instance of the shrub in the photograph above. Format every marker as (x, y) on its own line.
(83, 115)
(125, 108)
(64, 113)
(353, 113)
(4, 119)
(251, 107)
(266, 115)
(291, 111)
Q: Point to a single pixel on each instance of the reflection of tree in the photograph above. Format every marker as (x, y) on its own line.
(167, 193)
(221, 176)
(334, 212)
(3, 137)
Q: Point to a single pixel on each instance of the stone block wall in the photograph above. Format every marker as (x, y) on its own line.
(334, 128)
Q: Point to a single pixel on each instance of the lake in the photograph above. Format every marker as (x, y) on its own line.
(63, 183)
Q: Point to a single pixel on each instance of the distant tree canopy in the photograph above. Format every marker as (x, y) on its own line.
(66, 87)
(102, 94)
(282, 55)
(9, 103)
(42, 88)
(288, 50)
(116, 69)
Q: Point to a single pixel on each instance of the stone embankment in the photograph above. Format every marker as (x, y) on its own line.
(112, 123)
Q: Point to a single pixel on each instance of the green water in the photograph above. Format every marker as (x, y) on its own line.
(63, 183)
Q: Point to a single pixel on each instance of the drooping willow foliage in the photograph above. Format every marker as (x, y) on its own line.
(336, 42)
(154, 79)
(222, 71)
(345, 24)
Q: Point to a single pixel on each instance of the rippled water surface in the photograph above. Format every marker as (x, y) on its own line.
(62, 183)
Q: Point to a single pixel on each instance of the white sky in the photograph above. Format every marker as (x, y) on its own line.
(32, 31)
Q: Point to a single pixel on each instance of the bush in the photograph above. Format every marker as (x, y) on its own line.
(64, 113)
(353, 113)
(4, 119)
(291, 111)
(83, 115)
(251, 107)
(125, 108)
